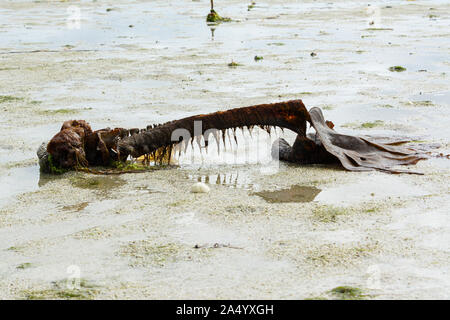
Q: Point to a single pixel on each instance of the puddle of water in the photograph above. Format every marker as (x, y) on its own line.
(18, 181)
(374, 187)
(5, 153)
(295, 193)
(97, 183)
(126, 23)
(431, 62)
(439, 98)
(360, 113)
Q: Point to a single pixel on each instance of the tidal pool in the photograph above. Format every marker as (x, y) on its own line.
(294, 194)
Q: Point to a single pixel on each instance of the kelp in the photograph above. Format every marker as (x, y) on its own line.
(76, 145)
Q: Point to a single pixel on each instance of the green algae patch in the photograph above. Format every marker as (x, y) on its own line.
(96, 182)
(135, 167)
(342, 293)
(6, 99)
(423, 103)
(143, 253)
(397, 69)
(54, 169)
(59, 111)
(323, 255)
(8, 69)
(364, 125)
(62, 290)
(379, 29)
(334, 255)
(327, 107)
(146, 252)
(25, 265)
(15, 248)
(369, 125)
(214, 17)
(233, 64)
(328, 213)
(348, 293)
(62, 111)
(179, 203)
(125, 166)
(94, 233)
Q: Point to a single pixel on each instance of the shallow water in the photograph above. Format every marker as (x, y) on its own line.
(17, 181)
(171, 64)
(293, 194)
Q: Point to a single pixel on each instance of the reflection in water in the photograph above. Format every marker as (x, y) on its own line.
(294, 194)
(44, 178)
(145, 189)
(234, 180)
(76, 207)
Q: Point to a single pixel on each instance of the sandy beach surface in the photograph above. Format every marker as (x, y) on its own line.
(146, 236)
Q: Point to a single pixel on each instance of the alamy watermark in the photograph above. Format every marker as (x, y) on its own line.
(73, 20)
(374, 277)
(73, 277)
(231, 146)
(373, 15)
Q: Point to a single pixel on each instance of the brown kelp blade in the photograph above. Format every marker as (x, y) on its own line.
(360, 154)
(289, 114)
(157, 142)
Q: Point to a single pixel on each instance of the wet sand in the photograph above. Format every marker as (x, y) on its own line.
(141, 236)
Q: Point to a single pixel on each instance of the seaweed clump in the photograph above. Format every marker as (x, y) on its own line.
(52, 168)
(128, 165)
(5, 99)
(214, 17)
(233, 64)
(61, 291)
(397, 69)
(348, 293)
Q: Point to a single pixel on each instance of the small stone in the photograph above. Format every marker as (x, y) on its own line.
(199, 187)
